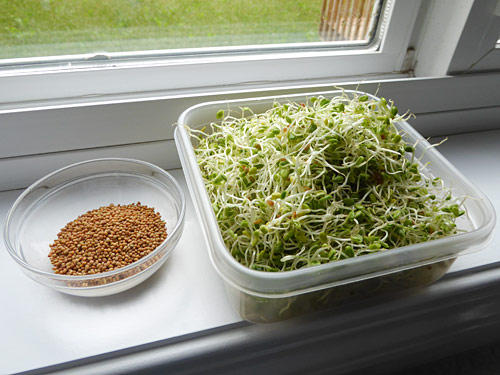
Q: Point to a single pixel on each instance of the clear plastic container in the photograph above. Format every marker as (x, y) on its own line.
(270, 296)
(49, 204)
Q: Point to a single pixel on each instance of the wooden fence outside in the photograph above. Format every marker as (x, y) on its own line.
(347, 19)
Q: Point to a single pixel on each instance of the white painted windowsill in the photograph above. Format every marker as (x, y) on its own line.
(42, 327)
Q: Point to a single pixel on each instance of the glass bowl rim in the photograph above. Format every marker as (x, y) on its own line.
(11, 250)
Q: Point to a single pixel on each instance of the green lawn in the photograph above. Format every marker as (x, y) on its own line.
(54, 27)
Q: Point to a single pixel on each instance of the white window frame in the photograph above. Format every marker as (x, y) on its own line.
(49, 119)
(458, 37)
(478, 49)
(183, 72)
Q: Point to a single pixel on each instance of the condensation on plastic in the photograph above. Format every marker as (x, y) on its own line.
(264, 296)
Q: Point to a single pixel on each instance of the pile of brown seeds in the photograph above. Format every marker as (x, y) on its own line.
(107, 238)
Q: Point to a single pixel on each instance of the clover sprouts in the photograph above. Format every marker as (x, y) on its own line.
(309, 183)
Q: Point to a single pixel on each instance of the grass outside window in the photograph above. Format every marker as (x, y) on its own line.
(30, 28)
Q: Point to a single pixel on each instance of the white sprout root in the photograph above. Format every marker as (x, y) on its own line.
(309, 183)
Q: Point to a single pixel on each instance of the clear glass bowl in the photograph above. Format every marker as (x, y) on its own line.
(43, 209)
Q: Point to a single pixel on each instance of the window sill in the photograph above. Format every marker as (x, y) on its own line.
(180, 318)
(43, 137)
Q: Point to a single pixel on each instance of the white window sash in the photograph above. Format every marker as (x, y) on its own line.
(218, 70)
(478, 49)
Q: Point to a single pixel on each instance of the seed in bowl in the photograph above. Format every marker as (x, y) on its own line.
(107, 238)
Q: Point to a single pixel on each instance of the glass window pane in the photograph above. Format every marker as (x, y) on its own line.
(33, 28)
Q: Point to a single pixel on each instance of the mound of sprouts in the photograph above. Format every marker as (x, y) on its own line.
(309, 183)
